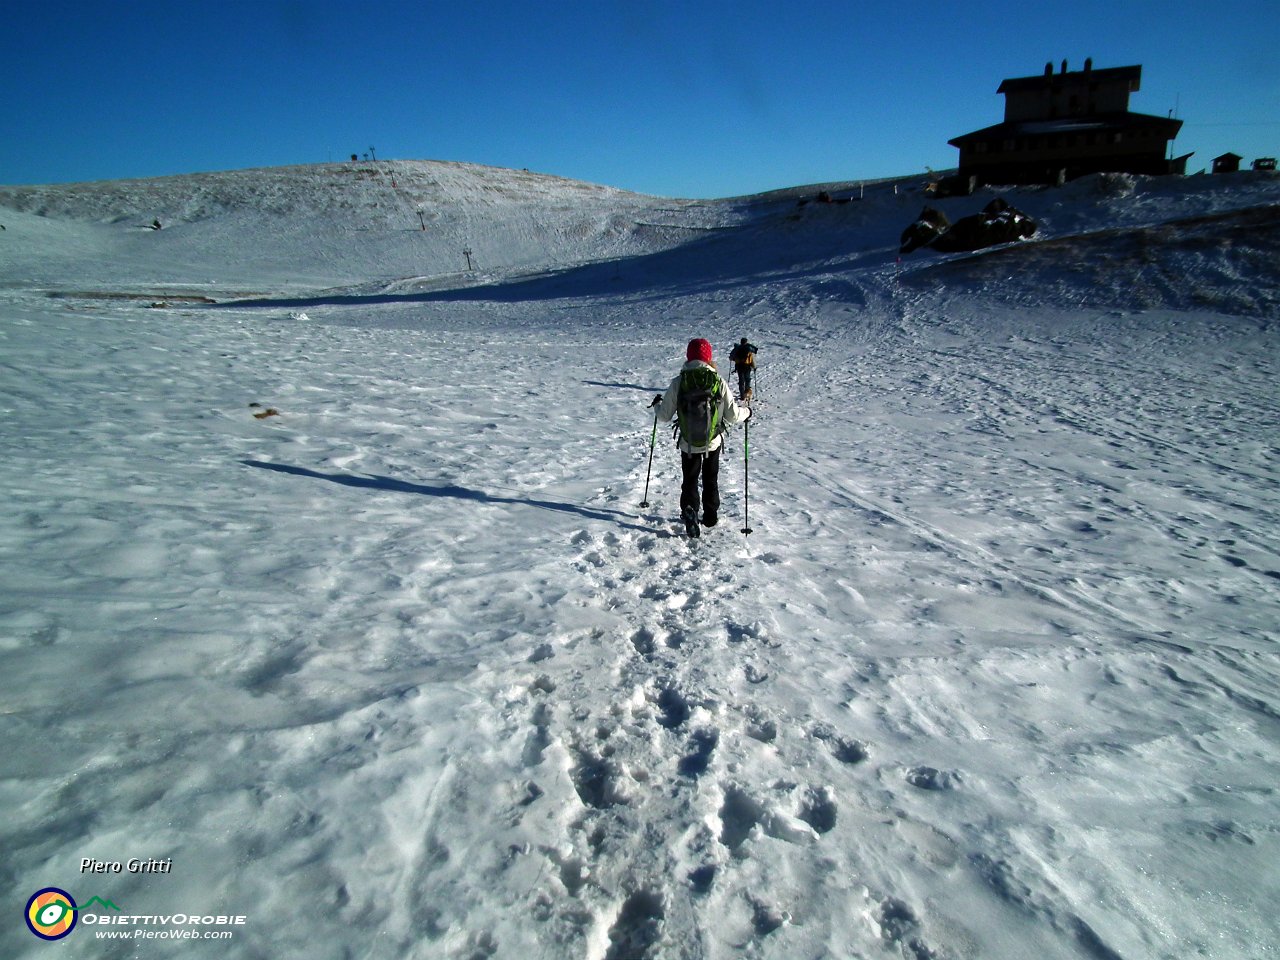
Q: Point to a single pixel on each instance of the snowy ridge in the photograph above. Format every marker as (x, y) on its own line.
(360, 220)
(395, 655)
(403, 227)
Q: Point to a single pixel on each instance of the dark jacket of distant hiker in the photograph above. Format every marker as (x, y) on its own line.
(743, 356)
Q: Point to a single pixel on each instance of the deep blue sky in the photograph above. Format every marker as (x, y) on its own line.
(699, 98)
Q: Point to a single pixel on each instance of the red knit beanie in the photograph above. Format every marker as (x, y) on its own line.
(699, 349)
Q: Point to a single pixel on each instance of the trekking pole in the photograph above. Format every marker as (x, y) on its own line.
(653, 440)
(746, 478)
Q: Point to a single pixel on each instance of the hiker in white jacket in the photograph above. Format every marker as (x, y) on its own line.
(704, 407)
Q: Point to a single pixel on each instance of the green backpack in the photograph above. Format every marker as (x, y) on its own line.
(698, 406)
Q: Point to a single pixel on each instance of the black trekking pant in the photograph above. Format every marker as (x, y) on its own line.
(704, 466)
(744, 380)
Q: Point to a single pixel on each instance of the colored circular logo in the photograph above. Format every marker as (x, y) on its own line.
(51, 913)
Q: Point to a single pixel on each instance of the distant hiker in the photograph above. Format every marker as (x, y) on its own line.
(744, 365)
(700, 401)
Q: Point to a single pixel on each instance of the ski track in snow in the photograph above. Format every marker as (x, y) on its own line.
(993, 677)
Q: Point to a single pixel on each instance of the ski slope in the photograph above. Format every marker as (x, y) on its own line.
(404, 670)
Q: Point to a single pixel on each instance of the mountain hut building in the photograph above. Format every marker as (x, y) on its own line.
(1063, 125)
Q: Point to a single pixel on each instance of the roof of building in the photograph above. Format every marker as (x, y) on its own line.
(1099, 123)
(1107, 75)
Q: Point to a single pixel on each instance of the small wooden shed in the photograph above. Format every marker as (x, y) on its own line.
(1227, 163)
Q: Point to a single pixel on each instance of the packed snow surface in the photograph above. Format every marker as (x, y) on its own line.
(328, 585)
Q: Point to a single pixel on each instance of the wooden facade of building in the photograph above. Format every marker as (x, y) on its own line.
(1063, 125)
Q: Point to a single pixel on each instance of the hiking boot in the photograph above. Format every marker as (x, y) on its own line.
(710, 520)
(690, 517)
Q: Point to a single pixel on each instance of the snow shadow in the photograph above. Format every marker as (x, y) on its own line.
(624, 386)
(451, 490)
(735, 258)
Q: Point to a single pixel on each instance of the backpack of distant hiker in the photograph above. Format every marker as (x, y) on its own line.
(698, 406)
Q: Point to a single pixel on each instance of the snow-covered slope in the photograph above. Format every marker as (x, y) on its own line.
(402, 669)
(411, 226)
(300, 226)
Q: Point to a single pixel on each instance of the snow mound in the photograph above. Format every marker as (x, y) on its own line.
(1218, 261)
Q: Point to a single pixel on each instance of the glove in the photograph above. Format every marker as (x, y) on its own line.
(656, 400)
(750, 413)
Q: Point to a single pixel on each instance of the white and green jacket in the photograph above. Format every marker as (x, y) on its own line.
(731, 411)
